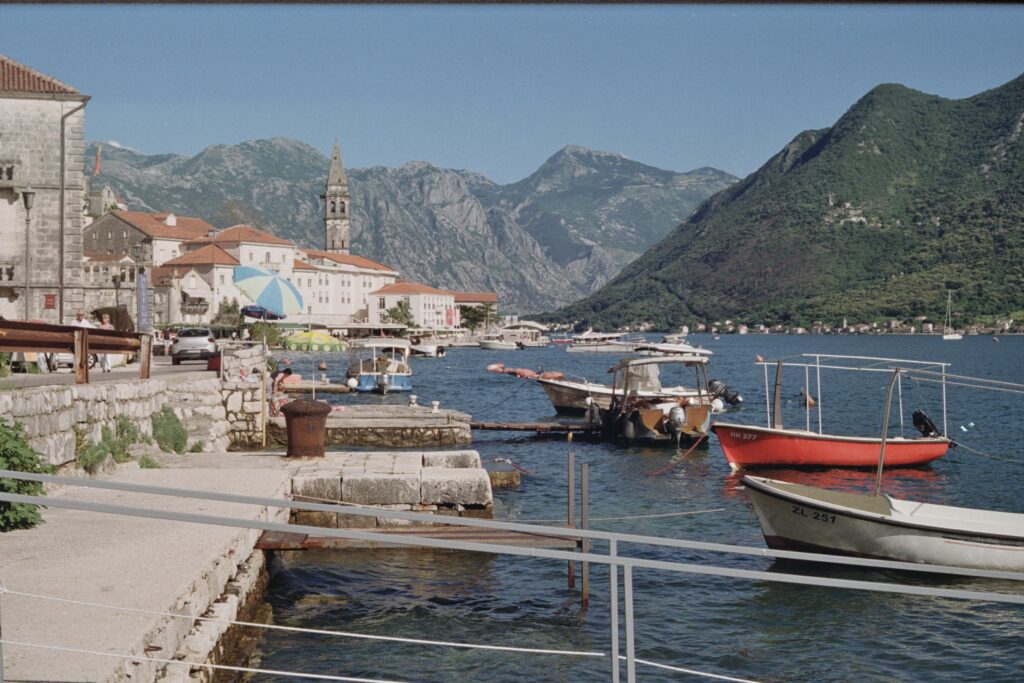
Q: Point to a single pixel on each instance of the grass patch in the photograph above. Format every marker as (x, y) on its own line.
(148, 463)
(197, 447)
(168, 431)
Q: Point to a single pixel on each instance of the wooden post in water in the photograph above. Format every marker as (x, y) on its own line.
(570, 471)
(584, 519)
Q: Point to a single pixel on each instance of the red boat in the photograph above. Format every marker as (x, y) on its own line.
(748, 446)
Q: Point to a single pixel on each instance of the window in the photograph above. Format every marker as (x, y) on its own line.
(250, 256)
(222, 278)
(332, 207)
(124, 234)
(341, 207)
(382, 304)
(309, 282)
(284, 258)
(267, 259)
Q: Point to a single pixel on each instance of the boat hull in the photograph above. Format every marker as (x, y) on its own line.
(570, 397)
(800, 522)
(746, 446)
(491, 345)
(372, 382)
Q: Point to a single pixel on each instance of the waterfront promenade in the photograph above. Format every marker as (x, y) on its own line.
(128, 562)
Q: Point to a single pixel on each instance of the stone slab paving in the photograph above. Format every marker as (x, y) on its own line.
(129, 562)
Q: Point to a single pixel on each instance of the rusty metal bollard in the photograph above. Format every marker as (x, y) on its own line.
(306, 421)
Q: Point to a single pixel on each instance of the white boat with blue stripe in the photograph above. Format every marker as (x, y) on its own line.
(380, 365)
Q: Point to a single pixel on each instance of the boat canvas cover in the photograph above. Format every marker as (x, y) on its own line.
(644, 377)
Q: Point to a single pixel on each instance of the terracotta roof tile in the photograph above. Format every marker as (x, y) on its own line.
(302, 265)
(16, 77)
(246, 233)
(475, 297)
(349, 260)
(211, 254)
(409, 288)
(187, 228)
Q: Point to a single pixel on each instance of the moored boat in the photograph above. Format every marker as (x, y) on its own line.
(379, 364)
(748, 446)
(810, 519)
(495, 342)
(604, 342)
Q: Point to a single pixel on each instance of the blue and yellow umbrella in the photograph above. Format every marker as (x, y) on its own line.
(268, 290)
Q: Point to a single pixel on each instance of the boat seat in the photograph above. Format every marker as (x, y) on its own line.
(651, 417)
(696, 418)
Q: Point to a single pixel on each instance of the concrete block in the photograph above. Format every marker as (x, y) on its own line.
(455, 485)
(317, 487)
(451, 459)
(381, 489)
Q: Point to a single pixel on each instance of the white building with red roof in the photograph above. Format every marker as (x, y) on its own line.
(431, 309)
(42, 187)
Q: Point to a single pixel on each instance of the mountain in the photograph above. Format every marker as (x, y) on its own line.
(540, 243)
(907, 195)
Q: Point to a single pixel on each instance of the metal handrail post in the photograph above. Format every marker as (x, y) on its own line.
(571, 517)
(627, 594)
(885, 431)
(584, 524)
(613, 580)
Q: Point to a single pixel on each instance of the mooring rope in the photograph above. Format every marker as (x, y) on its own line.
(960, 444)
(316, 631)
(676, 459)
(204, 665)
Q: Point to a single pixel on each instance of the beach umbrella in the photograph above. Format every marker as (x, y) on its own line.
(268, 290)
(313, 341)
(254, 311)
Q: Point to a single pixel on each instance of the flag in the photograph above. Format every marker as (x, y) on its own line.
(96, 168)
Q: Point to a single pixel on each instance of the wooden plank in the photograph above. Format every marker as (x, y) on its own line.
(81, 356)
(145, 355)
(277, 540)
(544, 427)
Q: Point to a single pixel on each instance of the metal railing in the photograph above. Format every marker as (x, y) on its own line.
(613, 558)
(16, 335)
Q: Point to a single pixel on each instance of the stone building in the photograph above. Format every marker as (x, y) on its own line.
(336, 206)
(41, 150)
(431, 309)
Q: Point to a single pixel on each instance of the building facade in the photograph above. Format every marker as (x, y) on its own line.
(42, 189)
(429, 308)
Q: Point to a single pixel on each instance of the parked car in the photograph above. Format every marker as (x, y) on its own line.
(193, 343)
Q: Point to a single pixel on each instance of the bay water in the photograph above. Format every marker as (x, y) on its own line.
(749, 629)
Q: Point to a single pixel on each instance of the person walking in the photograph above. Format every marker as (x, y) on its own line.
(105, 357)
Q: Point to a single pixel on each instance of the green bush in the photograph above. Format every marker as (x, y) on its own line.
(168, 431)
(17, 455)
(197, 447)
(148, 463)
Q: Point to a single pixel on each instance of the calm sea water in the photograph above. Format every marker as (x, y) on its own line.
(741, 628)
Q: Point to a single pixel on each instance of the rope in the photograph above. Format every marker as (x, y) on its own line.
(508, 461)
(690, 671)
(960, 445)
(672, 463)
(222, 667)
(609, 519)
(297, 629)
(504, 400)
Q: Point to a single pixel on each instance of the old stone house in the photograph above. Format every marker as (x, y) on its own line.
(41, 194)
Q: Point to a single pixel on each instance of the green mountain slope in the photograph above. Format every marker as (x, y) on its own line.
(905, 196)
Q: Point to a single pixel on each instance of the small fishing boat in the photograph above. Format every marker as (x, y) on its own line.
(604, 342)
(747, 446)
(526, 333)
(380, 365)
(631, 419)
(569, 396)
(807, 518)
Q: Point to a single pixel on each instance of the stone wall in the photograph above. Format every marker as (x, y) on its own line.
(52, 414)
(244, 401)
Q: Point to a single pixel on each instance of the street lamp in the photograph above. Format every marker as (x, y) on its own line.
(28, 196)
(117, 279)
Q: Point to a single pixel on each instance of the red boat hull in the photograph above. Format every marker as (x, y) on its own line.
(746, 446)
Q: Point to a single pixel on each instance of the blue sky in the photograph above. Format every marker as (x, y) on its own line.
(498, 89)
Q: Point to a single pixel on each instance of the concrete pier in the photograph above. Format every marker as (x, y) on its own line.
(387, 426)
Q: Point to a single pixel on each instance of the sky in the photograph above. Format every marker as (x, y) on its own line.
(499, 89)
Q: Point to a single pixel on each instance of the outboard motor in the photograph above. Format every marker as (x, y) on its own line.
(718, 389)
(924, 424)
(676, 421)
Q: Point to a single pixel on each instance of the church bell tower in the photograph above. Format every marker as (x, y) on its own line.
(336, 206)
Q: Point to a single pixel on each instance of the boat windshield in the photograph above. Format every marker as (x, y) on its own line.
(646, 377)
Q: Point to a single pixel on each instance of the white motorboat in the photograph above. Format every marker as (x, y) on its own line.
(806, 518)
(604, 342)
(379, 364)
(495, 342)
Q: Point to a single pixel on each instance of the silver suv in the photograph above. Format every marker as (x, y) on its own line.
(193, 343)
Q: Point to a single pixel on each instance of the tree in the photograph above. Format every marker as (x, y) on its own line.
(229, 314)
(474, 316)
(401, 314)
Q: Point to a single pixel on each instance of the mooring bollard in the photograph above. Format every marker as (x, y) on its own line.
(434, 405)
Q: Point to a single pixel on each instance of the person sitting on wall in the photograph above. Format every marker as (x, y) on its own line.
(277, 396)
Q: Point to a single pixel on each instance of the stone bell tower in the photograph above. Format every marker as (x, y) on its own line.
(336, 206)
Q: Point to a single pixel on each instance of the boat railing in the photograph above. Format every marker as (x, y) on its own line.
(609, 553)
